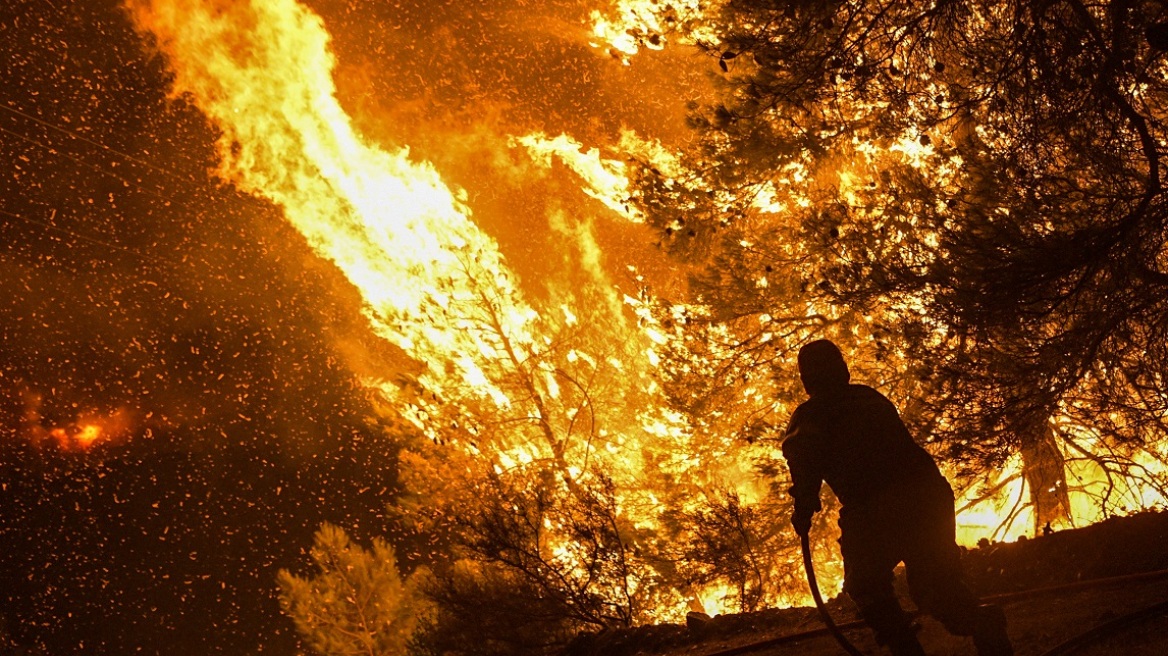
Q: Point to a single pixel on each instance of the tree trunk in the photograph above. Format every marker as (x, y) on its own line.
(1046, 476)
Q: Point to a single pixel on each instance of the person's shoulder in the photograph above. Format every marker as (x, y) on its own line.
(860, 391)
(803, 408)
(803, 422)
(797, 439)
(807, 412)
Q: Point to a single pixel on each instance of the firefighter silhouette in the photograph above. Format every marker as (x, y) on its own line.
(895, 507)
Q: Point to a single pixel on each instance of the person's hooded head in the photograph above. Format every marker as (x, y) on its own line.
(822, 367)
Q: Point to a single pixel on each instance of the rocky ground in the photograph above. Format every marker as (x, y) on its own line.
(1052, 589)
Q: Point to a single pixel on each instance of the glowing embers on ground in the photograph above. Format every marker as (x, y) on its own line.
(87, 431)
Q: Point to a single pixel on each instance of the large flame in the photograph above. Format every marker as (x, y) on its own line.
(437, 286)
(262, 71)
(999, 508)
(433, 283)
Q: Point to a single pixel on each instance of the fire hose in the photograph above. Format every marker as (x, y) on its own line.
(805, 542)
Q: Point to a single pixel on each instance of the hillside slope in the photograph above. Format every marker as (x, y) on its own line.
(1052, 588)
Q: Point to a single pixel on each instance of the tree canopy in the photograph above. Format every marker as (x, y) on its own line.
(967, 192)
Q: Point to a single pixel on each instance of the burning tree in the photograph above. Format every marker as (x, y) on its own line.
(966, 192)
(518, 487)
(544, 458)
(858, 182)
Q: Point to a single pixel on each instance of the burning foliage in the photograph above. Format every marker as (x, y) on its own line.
(574, 351)
(931, 186)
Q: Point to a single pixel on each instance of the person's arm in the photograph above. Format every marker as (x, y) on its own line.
(806, 480)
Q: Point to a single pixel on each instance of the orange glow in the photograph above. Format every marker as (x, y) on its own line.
(1006, 515)
(506, 376)
(90, 430)
(604, 179)
(87, 434)
(392, 225)
(1001, 516)
(501, 379)
(629, 25)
